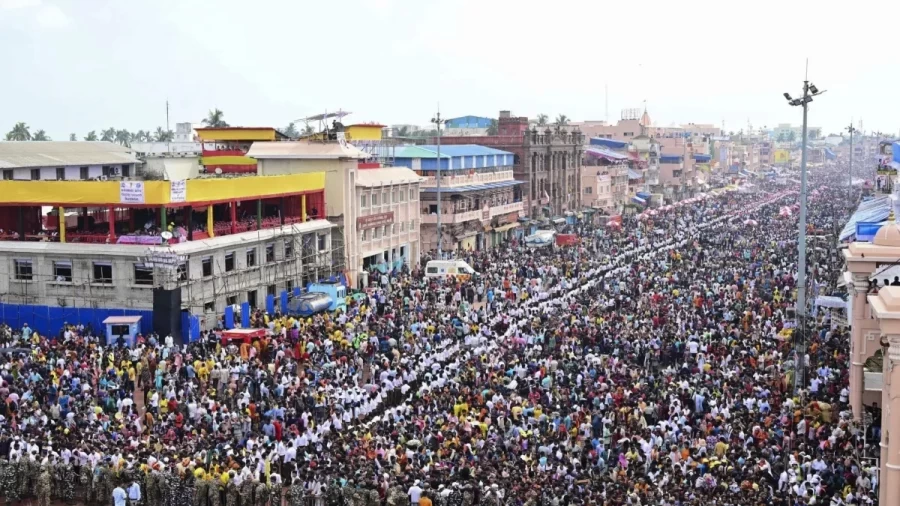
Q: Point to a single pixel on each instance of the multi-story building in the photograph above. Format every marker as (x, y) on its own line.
(597, 187)
(224, 149)
(65, 161)
(154, 248)
(612, 159)
(480, 200)
(375, 208)
(548, 162)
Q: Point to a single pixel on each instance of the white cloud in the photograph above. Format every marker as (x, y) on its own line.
(51, 16)
(18, 4)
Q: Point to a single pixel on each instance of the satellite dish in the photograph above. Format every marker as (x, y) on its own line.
(166, 235)
(218, 170)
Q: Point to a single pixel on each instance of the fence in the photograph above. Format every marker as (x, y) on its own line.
(48, 320)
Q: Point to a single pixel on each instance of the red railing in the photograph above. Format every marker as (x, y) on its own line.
(87, 238)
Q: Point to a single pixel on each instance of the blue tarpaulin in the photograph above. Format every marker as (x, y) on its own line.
(829, 154)
(609, 143)
(701, 158)
(49, 320)
(866, 230)
(638, 200)
(643, 195)
(874, 210)
(605, 153)
(895, 147)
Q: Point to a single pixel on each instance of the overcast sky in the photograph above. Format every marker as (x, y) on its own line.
(78, 65)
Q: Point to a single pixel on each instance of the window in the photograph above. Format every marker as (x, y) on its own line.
(402, 226)
(402, 195)
(412, 224)
(181, 272)
(363, 201)
(83, 173)
(231, 300)
(321, 238)
(376, 233)
(587, 189)
(374, 199)
(412, 193)
(251, 257)
(60, 173)
(251, 298)
(103, 272)
(209, 307)
(23, 270)
(270, 252)
(289, 286)
(207, 267)
(365, 235)
(35, 174)
(271, 289)
(431, 270)
(288, 248)
(62, 270)
(143, 275)
(7, 174)
(107, 170)
(229, 262)
(126, 171)
(396, 196)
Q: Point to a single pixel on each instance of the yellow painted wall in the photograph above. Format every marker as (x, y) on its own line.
(363, 133)
(101, 193)
(227, 160)
(781, 156)
(224, 134)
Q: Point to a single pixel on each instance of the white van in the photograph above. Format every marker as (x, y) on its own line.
(442, 268)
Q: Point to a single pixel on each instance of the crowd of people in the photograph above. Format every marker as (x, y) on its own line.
(650, 364)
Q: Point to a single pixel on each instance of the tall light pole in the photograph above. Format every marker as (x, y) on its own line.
(850, 188)
(437, 121)
(809, 91)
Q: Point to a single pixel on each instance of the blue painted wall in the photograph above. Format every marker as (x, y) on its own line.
(49, 320)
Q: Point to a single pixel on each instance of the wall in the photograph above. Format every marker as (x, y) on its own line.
(173, 169)
(49, 320)
(404, 203)
(72, 172)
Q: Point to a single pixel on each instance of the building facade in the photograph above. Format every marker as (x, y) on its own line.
(65, 161)
(481, 201)
(548, 162)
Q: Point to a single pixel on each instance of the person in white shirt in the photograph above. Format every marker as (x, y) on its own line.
(134, 494)
(119, 496)
(415, 493)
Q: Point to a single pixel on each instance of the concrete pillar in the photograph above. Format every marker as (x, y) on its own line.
(162, 219)
(859, 292)
(61, 225)
(303, 207)
(889, 493)
(258, 214)
(210, 221)
(233, 205)
(112, 223)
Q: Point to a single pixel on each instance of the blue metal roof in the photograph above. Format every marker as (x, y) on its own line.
(474, 187)
(609, 143)
(670, 159)
(463, 150)
(699, 157)
(872, 210)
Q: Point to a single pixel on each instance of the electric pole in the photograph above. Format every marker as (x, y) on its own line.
(852, 130)
(440, 236)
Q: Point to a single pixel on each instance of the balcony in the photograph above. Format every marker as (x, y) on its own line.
(478, 214)
(449, 179)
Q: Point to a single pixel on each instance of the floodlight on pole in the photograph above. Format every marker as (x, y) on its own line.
(438, 122)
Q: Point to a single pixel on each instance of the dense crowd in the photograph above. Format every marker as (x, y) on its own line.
(651, 364)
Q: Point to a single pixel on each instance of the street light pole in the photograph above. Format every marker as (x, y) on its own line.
(440, 236)
(850, 188)
(809, 91)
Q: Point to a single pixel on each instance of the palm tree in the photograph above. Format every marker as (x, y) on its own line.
(792, 136)
(493, 128)
(108, 135)
(91, 136)
(40, 135)
(561, 121)
(123, 137)
(291, 131)
(308, 130)
(73, 137)
(542, 120)
(20, 132)
(163, 135)
(215, 119)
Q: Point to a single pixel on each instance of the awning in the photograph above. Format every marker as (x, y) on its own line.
(558, 221)
(633, 174)
(606, 154)
(609, 143)
(506, 227)
(699, 157)
(643, 195)
(638, 200)
(670, 159)
(872, 210)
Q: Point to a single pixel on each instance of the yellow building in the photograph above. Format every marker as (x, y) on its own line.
(364, 132)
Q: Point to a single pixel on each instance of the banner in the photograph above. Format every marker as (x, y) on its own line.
(178, 191)
(131, 192)
(781, 156)
(150, 240)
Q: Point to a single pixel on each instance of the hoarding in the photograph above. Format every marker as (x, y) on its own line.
(374, 220)
(781, 156)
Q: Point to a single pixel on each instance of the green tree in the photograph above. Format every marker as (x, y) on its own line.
(493, 128)
(542, 120)
(123, 137)
(163, 135)
(108, 135)
(291, 131)
(215, 119)
(308, 129)
(561, 121)
(73, 137)
(40, 135)
(780, 137)
(792, 136)
(91, 136)
(402, 131)
(20, 132)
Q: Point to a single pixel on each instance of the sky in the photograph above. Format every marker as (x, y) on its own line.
(80, 65)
